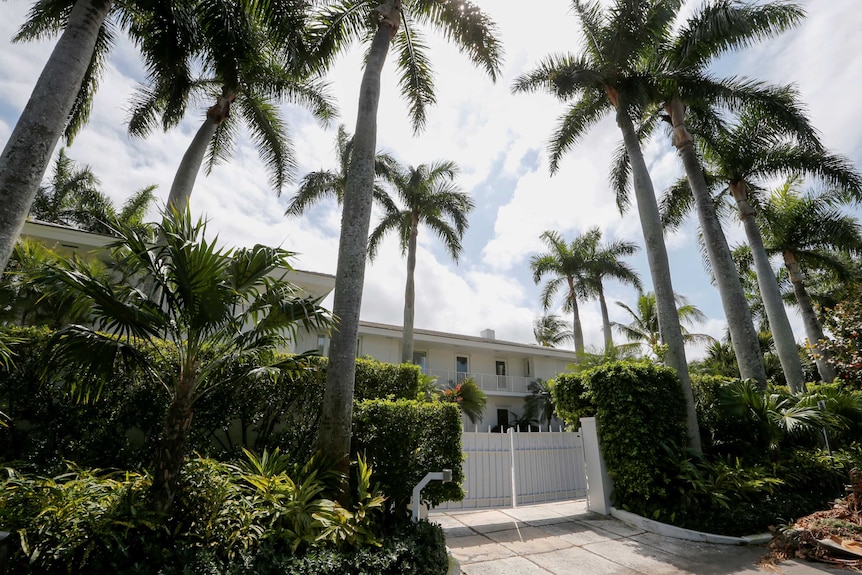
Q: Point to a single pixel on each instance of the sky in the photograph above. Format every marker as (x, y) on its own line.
(498, 139)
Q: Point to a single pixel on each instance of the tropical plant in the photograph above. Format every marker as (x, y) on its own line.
(603, 262)
(252, 58)
(643, 330)
(539, 403)
(74, 62)
(756, 147)
(612, 74)
(315, 186)
(468, 396)
(566, 265)
(72, 198)
(430, 197)
(213, 305)
(809, 233)
(384, 23)
(551, 330)
(714, 29)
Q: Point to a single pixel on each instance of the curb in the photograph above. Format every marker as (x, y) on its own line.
(454, 566)
(686, 534)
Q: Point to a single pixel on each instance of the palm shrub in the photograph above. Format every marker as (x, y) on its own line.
(227, 517)
(469, 398)
(211, 305)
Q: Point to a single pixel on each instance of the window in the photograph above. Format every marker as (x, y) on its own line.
(503, 419)
(462, 368)
(420, 358)
(321, 343)
(528, 367)
(502, 379)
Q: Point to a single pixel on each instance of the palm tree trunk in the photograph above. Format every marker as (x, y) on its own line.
(782, 333)
(409, 295)
(337, 410)
(606, 320)
(577, 328)
(813, 329)
(171, 451)
(668, 317)
(743, 335)
(28, 151)
(187, 173)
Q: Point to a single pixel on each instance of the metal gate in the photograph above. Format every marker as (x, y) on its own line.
(534, 466)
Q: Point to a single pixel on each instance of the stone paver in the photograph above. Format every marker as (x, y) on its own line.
(564, 538)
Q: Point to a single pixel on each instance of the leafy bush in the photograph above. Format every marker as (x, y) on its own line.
(641, 415)
(227, 519)
(844, 349)
(572, 399)
(403, 440)
(377, 380)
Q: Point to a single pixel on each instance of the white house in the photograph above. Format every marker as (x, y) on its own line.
(503, 369)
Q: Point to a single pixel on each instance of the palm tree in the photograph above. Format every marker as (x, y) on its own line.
(72, 198)
(644, 329)
(252, 58)
(172, 36)
(603, 262)
(551, 330)
(567, 266)
(384, 22)
(315, 186)
(713, 29)
(430, 197)
(212, 305)
(756, 147)
(611, 75)
(28, 150)
(807, 232)
(539, 404)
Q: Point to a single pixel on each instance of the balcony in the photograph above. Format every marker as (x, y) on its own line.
(488, 382)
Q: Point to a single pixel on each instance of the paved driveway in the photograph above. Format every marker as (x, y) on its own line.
(565, 539)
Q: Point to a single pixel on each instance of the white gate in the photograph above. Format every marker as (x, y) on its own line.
(535, 466)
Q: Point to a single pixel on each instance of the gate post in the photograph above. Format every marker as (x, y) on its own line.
(512, 470)
(599, 485)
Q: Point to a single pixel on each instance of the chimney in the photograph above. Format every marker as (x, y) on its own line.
(488, 333)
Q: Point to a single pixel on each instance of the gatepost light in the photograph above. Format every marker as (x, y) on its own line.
(445, 476)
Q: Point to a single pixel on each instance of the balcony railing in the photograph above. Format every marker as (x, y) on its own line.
(486, 381)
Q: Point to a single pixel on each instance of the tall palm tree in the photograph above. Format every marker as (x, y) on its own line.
(755, 147)
(809, 233)
(712, 30)
(315, 186)
(610, 75)
(565, 266)
(170, 36)
(384, 22)
(430, 197)
(644, 328)
(29, 148)
(603, 262)
(212, 305)
(253, 58)
(551, 330)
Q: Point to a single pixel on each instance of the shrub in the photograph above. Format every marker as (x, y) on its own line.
(640, 409)
(572, 399)
(403, 440)
(845, 347)
(226, 520)
(377, 380)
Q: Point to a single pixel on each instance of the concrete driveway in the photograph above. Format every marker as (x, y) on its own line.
(564, 538)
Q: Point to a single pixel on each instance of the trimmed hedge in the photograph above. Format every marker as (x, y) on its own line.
(641, 413)
(572, 399)
(403, 440)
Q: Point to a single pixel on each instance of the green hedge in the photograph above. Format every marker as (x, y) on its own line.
(572, 400)
(403, 440)
(641, 412)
